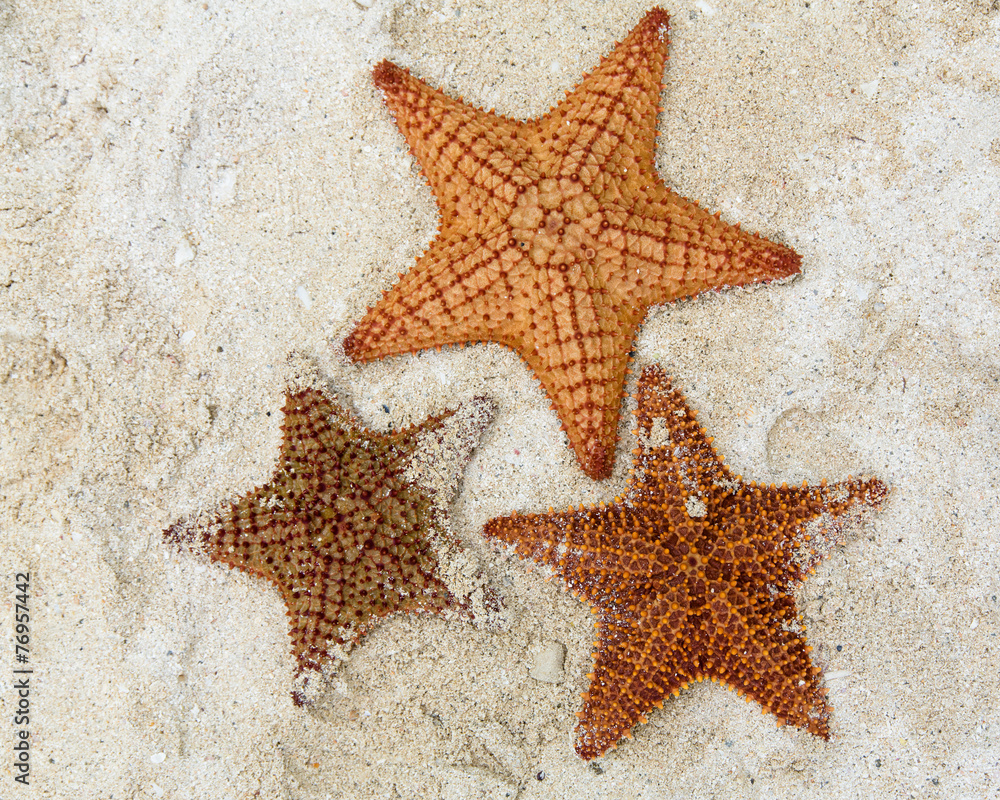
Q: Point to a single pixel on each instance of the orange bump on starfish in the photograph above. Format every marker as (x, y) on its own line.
(344, 527)
(556, 236)
(690, 575)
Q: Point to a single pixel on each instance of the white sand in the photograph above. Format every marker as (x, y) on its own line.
(190, 192)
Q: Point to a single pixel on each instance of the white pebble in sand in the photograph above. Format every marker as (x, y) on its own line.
(870, 89)
(184, 253)
(224, 188)
(303, 295)
(549, 661)
(158, 758)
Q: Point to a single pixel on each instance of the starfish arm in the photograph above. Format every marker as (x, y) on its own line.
(308, 449)
(442, 446)
(587, 401)
(578, 345)
(467, 155)
(584, 549)
(605, 130)
(674, 249)
(832, 503)
(759, 651)
(246, 536)
(780, 522)
(229, 536)
(243, 532)
(593, 552)
(541, 538)
(642, 658)
(451, 296)
(673, 449)
(406, 441)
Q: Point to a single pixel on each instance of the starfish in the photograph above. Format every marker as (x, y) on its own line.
(556, 236)
(344, 527)
(690, 576)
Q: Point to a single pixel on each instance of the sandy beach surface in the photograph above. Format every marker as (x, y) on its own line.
(198, 197)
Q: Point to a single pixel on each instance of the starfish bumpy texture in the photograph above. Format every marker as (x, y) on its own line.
(556, 236)
(690, 575)
(344, 528)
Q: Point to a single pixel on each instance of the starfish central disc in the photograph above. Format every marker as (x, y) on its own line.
(558, 223)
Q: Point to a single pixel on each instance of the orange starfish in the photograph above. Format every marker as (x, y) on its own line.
(556, 236)
(343, 529)
(690, 576)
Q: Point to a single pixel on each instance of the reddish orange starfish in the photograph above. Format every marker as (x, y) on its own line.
(690, 575)
(344, 527)
(556, 236)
